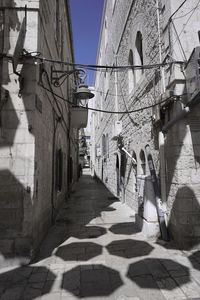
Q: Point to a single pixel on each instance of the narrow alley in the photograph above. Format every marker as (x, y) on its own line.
(94, 251)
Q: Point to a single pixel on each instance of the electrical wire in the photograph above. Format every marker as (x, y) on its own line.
(182, 16)
(65, 126)
(102, 67)
(170, 18)
(105, 93)
(111, 112)
(109, 94)
(57, 105)
(185, 24)
(178, 39)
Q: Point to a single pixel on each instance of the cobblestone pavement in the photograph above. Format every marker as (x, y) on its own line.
(95, 251)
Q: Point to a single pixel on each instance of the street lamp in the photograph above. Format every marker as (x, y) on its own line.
(82, 92)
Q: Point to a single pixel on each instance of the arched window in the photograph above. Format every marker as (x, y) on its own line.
(130, 72)
(138, 56)
(117, 175)
(106, 33)
(134, 173)
(113, 3)
(142, 163)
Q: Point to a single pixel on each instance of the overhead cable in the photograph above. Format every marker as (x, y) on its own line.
(107, 111)
(193, 9)
(96, 67)
(185, 24)
(170, 18)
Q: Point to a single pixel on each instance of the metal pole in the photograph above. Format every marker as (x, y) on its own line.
(161, 218)
(163, 88)
(133, 160)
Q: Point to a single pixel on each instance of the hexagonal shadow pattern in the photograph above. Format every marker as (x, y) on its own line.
(91, 281)
(79, 251)
(195, 260)
(149, 272)
(90, 232)
(25, 282)
(129, 248)
(126, 228)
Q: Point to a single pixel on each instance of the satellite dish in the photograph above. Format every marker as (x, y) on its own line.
(20, 43)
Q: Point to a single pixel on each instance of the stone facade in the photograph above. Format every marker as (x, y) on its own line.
(142, 33)
(38, 148)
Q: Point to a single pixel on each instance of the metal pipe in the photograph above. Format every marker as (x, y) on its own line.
(133, 160)
(161, 218)
(116, 88)
(163, 88)
(162, 166)
(180, 116)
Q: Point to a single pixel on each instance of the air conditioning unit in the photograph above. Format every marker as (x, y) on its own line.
(192, 72)
(117, 129)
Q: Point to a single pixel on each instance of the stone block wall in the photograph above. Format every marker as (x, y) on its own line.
(180, 168)
(136, 127)
(34, 127)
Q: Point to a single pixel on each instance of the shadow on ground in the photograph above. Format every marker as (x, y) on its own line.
(149, 272)
(91, 281)
(195, 260)
(126, 228)
(77, 213)
(129, 248)
(79, 251)
(25, 283)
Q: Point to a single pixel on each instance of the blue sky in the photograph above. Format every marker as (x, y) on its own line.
(86, 23)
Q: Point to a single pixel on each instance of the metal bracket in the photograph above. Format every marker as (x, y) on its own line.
(58, 75)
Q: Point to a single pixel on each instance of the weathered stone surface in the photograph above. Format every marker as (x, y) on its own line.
(129, 90)
(29, 129)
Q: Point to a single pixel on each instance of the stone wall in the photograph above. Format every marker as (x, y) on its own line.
(178, 171)
(34, 128)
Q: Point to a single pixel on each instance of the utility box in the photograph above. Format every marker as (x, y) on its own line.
(192, 72)
(147, 218)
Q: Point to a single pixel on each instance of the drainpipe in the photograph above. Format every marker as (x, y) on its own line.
(116, 90)
(161, 218)
(161, 135)
(160, 49)
(162, 166)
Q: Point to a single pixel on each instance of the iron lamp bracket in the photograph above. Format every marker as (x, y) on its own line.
(59, 76)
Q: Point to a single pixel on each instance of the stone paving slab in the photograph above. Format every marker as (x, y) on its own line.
(95, 251)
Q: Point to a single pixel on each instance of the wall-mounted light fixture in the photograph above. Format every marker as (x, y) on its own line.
(82, 92)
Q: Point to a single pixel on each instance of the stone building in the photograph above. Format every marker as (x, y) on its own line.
(157, 36)
(38, 144)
